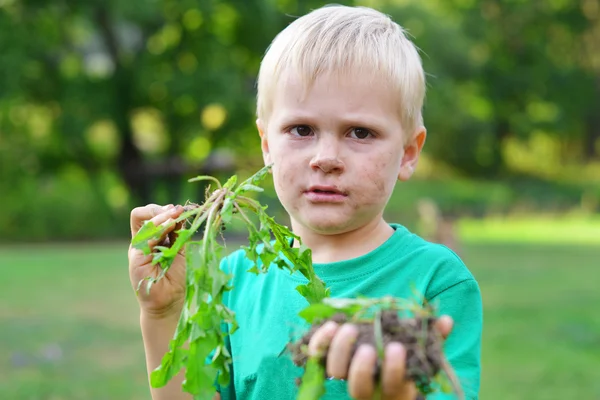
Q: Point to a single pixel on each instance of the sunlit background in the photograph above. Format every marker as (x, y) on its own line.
(106, 105)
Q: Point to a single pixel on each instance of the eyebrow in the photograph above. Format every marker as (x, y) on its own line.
(356, 120)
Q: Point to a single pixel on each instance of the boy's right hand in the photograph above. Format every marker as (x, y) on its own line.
(167, 296)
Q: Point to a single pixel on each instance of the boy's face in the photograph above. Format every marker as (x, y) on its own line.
(337, 151)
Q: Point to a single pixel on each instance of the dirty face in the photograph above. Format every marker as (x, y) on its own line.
(337, 151)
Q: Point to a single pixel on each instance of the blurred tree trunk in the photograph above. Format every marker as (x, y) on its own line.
(501, 133)
(592, 133)
(130, 160)
(592, 137)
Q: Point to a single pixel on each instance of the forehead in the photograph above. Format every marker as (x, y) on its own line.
(337, 94)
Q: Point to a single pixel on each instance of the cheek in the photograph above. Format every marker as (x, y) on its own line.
(284, 176)
(382, 173)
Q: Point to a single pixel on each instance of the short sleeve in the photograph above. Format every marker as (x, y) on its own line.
(462, 302)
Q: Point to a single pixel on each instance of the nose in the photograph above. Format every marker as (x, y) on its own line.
(327, 158)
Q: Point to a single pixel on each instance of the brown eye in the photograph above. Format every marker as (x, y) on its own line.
(361, 133)
(301, 130)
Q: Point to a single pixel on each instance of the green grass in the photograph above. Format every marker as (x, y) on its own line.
(541, 335)
(69, 324)
(541, 324)
(577, 229)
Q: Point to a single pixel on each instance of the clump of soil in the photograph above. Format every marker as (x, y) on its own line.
(422, 341)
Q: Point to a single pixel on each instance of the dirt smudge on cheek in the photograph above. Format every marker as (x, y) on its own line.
(286, 178)
(377, 171)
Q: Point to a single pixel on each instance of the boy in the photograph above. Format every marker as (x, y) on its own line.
(340, 93)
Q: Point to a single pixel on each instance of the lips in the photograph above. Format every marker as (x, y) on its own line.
(325, 190)
(325, 194)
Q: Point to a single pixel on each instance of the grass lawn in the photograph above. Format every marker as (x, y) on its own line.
(69, 322)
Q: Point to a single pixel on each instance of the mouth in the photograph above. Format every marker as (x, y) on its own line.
(325, 194)
(331, 190)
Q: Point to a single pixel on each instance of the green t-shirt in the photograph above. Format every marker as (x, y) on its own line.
(267, 308)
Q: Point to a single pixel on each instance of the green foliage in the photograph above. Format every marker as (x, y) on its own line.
(313, 381)
(173, 87)
(365, 308)
(204, 313)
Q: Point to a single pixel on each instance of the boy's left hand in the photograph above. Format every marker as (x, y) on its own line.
(359, 371)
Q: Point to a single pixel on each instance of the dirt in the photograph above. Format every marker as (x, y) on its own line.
(419, 336)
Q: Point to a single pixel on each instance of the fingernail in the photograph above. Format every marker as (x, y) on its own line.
(329, 325)
(175, 210)
(350, 328)
(366, 350)
(395, 349)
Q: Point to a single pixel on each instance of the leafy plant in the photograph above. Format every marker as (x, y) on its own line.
(198, 344)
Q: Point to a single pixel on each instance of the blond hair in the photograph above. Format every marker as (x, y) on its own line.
(342, 39)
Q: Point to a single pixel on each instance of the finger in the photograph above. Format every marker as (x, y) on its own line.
(173, 231)
(139, 215)
(166, 221)
(173, 234)
(444, 325)
(340, 351)
(361, 383)
(319, 343)
(178, 227)
(393, 381)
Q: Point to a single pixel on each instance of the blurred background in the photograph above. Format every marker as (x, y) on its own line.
(106, 105)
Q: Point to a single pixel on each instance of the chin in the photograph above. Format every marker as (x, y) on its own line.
(328, 224)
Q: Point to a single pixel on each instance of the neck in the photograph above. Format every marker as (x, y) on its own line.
(327, 248)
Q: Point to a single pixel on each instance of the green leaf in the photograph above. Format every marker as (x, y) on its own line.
(313, 381)
(147, 231)
(444, 383)
(220, 281)
(282, 264)
(230, 182)
(267, 256)
(192, 383)
(205, 178)
(265, 235)
(206, 345)
(305, 253)
(251, 253)
(317, 311)
(183, 325)
(197, 332)
(140, 283)
(259, 176)
(221, 360)
(205, 378)
(254, 270)
(170, 366)
(314, 291)
(345, 303)
(199, 376)
(149, 285)
(249, 188)
(183, 236)
(227, 210)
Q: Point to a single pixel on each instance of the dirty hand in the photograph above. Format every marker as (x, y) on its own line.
(167, 296)
(359, 370)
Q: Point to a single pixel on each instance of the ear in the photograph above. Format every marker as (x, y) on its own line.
(412, 151)
(264, 142)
